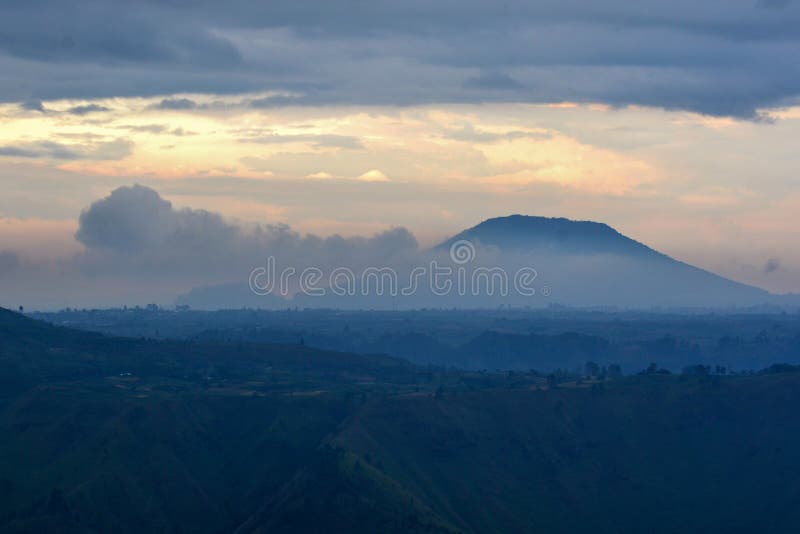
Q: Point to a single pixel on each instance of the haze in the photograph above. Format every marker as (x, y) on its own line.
(674, 123)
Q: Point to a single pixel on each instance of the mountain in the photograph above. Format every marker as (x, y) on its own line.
(578, 263)
(590, 263)
(522, 233)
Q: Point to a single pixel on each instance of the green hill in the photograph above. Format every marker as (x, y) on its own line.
(104, 434)
(649, 454)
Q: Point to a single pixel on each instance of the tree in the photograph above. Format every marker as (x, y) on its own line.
(696, 370)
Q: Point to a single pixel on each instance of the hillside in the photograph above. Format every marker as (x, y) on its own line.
(130, 435)
(590, 263)
(519, 340)
(524, 233)
(650, 454)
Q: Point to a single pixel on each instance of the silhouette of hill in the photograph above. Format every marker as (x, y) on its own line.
(590, 263)
(526, 232)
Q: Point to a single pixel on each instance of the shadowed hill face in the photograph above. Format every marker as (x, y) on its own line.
(523, 232)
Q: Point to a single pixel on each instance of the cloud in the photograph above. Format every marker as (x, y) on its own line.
(674, 55)
(321, 175)
(493, 81)
(86, 109)
(373, 175)
(772, 265)
(178, 104)
(473, 135)
(157, 129)
(315, 140)
(100, 151)
(135, 230)
(33, 105)
(274, 101)
(134, 218)
(147, 128)
(774, 4)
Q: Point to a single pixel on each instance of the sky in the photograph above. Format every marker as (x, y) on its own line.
(674, 122)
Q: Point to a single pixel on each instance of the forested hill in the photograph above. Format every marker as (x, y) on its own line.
(116, 434)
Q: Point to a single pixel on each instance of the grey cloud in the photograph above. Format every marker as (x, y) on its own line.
(772, 265)
(19, 152)
(134, 230)
(277, 101)
(719, 58)
(86, 109)
(493, 80)
(90, 30)
(109, 150)
(33, 105)
(157, 129)
(147, 128)
(176, 104)
(318, 141)
(132, 219)
(774, 4)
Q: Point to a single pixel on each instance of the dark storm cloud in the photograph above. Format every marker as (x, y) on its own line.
(718, 57)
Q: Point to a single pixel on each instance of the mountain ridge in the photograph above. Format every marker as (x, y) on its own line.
(549, 230)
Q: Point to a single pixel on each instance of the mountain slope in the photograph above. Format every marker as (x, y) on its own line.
(582, 263)
(648, 454)
(227, 437)
(119, 434)
(525, 232)
(589, 263)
